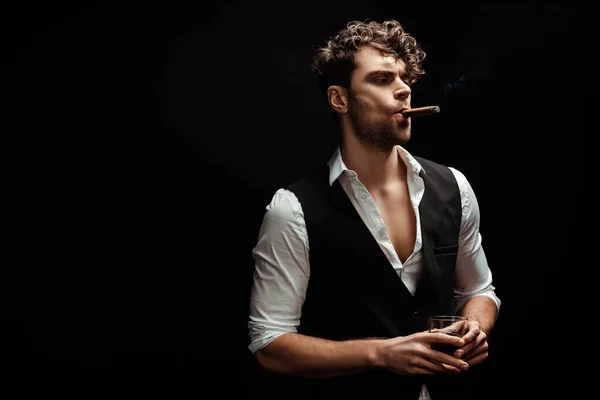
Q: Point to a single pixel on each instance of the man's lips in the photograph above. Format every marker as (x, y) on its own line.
(399, 116)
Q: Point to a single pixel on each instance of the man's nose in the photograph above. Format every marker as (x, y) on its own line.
(402, 91)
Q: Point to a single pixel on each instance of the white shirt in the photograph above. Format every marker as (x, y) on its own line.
(281, 254)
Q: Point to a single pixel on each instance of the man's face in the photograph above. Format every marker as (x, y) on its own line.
(377, 94)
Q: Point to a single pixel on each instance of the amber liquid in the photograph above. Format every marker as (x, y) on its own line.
(446, 348)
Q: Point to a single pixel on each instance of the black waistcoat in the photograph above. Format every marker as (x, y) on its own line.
(353, 290)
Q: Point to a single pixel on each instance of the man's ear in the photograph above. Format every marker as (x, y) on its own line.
(338, 98)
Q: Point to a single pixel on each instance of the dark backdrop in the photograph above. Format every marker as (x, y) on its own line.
(150, 138)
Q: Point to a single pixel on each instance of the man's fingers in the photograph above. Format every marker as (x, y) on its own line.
(472, 349)
(471, 335)
(450, 369)
(471, 353)
(442, 368)
(444, 338)
(443, 358)
(478, 359)
(473, 332)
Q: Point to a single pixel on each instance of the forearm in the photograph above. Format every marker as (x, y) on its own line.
(482, 309)
(302, 355)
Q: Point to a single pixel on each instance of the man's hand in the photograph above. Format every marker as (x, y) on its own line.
(413, 354)
(475, 350)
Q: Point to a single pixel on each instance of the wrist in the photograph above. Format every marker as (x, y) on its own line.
(484, 326)
(375, 353)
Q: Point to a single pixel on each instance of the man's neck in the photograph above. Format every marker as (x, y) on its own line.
(376, 169)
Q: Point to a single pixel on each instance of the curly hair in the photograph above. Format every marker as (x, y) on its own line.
(334, 61)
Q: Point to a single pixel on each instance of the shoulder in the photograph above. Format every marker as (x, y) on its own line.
(446, 170)
(425, 162)
(433, 167)
(469, 202)
(435, 172)
(461, 179)
(284, 205)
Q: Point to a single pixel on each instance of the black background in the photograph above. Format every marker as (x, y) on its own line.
(150, 137)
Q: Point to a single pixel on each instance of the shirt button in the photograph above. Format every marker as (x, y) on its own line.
(415, 168)
(364, 195)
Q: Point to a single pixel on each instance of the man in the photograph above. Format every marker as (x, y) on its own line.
(352, 259)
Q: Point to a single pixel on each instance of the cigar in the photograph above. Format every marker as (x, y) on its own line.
(417, 112)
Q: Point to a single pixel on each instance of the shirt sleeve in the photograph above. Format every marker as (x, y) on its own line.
(473, 275)
(281, 271)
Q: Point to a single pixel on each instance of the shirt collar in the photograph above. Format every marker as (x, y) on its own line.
(337, 166)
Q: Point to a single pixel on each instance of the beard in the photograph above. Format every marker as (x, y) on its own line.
(374, 132)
